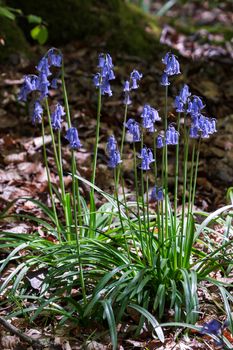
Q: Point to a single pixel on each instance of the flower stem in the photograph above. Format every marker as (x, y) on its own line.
(166, 167)
(176, 194)
(49, 182)
(74, 169)
(137, 199)
(78, 235)
(195, 174)
(122, 143)
(119, 212)
(185, 167)
(92, 197)
(60, 174)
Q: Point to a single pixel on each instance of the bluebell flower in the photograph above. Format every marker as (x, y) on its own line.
(131, 84)
(184, 93)
(164, 80)
(194, 132)
(126, 89)
(212, 122)
(156, 194)
(101, 79)
(206, 125)
(111, 144)
(37, 113)
(114, 159)
(105, 87)
(179, 104)
(133, 129)
(54, 58)
(146, 158)
(171, 136)
(56, 117)
(135, 76)
(182, 99)
(172, 64)
(43, 85)
(54, 83)
(159, 143)
(211, 327)
(43, 66)
(30, 84)
(149, 117)
(127, 100)
(195, 105)
(154, 115)
(126, 86)
(200, 123)
(72, 137)
(113, 153)
(106, 66)
(97, 79)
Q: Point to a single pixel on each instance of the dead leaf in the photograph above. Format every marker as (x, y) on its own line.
(15, 158)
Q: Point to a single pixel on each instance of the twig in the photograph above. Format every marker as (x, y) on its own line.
(34, 343)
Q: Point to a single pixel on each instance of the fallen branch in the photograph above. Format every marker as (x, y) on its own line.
(36, 345)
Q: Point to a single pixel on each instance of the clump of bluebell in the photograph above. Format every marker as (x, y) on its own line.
(200, 126)
(49, 69)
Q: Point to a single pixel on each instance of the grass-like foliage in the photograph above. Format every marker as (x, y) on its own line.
(135, 253)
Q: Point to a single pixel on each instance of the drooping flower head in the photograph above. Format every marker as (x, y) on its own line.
(30, 84)
(114, 159)
(54, 83)
(102, 78)
(111, 144)
(159, 143)
(202, 126)
(194, 132)
(164, 80)
(182, 99)
(131, 84)
(156, 194)
(56, 117)
(113, 153)
(72, 137)
(43, 66)
(54, 58)
(184, 93)
(135, 76)
(171, 63)
(133, 129)
(43, 85)
(195, 105)
(37, 113)
(149, 117)
(146, 158)
(41, 82)
(171, 136)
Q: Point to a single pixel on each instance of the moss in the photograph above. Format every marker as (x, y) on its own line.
(14, 40)
(123, 27)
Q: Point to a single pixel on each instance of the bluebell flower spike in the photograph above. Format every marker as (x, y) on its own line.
(102, 78)
(113, 153)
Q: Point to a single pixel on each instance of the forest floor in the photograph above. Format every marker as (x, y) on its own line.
(22, 171)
